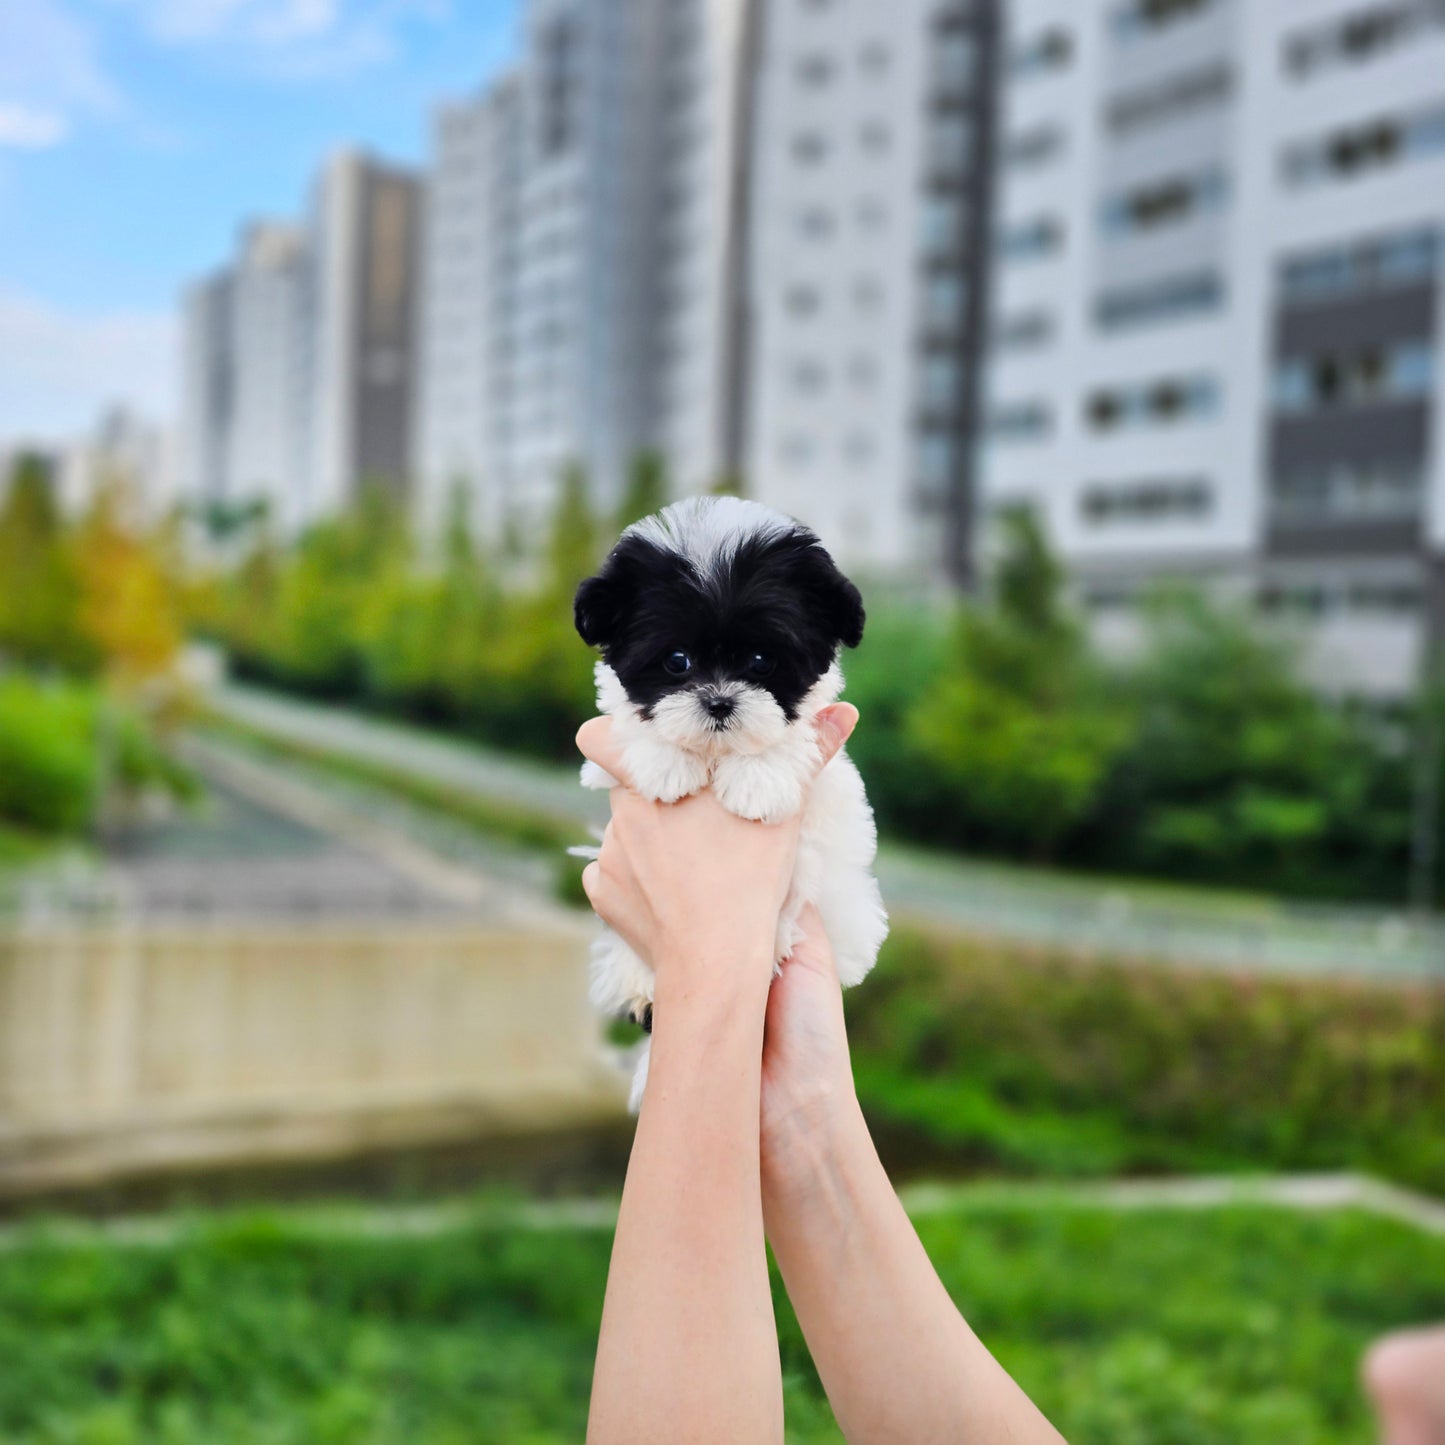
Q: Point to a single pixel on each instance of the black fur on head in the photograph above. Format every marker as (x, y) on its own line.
(769, 610)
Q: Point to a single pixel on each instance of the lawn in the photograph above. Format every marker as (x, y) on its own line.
(1233, 1326)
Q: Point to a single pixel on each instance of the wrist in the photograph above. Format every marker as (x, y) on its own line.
(809, 1139)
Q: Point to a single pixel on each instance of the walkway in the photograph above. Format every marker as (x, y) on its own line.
(1118, 918)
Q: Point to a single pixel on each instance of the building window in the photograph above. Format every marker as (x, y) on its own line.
(955, 61)
(1349, 492)
(1360, 35)
(863, 371)
(936, 460)
(942, 225)
(814, 71)
(859, 449)
(875, 57)
(1357, 150)
(816, 223)
(1023, 331)
(1140, 19)
(801, 301)
(944, 295)
(1172, 299)
(1368, 377)
(810, 377)
(1164, 203)
(1201, 89)
(939, 378)
(796, 451)
(1031, 240)
(1154, 403)
(874, 136)
(1033, 147)
(1025, 421)
(871, 215)
(950, 144)
(1165, 499)
(1409, 258)
(867, 293)
(1319, 600)
(809, 148)
(1051, 50)
(559, 86)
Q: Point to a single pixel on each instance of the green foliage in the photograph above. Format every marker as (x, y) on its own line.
(1018, 728)
(970, 1053)
(41, 598)
(49, 759)
(647, 489)
(64, 749)
(1229, 1327)
(1238, 770)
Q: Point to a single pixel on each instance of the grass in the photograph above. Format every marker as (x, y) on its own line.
(1238, 1325)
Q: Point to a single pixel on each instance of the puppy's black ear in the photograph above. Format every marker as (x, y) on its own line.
(597, 609)
(847, 614)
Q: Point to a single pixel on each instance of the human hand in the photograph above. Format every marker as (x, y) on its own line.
(693, 889)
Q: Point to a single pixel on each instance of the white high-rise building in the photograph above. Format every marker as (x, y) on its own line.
(585, 249)
(297, 365)
(269, 432)
(207, 392)
(869, 249)
(468, 269)
(1216, 308)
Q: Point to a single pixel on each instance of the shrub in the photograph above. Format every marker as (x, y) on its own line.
(1005, 1056)
(49, 763)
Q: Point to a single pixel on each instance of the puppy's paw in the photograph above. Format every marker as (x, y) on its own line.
(761, 788)
(597, 777)
(665, 774)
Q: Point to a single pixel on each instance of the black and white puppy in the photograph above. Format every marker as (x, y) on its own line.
(720, 623)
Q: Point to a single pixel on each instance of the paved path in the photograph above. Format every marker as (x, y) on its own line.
(1121, 919)
(1307, 1193)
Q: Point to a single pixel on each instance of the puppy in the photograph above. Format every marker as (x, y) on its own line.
(720, 623)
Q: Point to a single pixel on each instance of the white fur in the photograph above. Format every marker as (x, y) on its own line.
(759, 768)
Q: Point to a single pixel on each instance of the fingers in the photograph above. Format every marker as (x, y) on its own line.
(835, 727)
(594, 740)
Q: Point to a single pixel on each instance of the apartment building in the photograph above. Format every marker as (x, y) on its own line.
(297, 358)
(469, 265)
(268, 434)
(870, 256)
(1215, 311)
(584, 259)
(206, 390)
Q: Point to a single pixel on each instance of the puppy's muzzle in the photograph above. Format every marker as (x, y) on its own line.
(719, 708)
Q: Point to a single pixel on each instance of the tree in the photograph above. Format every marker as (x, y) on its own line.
(647, 489)
(40, 599)
(130, 595)
(1019, 730)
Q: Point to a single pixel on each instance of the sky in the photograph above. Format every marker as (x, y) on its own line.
(137, 135)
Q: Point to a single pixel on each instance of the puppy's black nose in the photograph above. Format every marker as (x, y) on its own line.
(720, 709)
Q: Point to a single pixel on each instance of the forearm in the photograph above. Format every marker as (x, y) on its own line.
(688, 1346)
(897, 1359)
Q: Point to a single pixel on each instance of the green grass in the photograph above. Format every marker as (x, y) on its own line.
(1232, 1326)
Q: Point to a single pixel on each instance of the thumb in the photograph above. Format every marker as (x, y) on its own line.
(835, 725)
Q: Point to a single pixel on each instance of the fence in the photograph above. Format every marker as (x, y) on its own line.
(130, 1048)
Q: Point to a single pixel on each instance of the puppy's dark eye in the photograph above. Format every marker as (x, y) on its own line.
(760, 665)
(679, 664)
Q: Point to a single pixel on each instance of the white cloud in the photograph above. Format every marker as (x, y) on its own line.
(24, 127)
(59, 369)
(50, 74)
(287, 39)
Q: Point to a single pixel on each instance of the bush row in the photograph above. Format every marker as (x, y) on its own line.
(973, 1054)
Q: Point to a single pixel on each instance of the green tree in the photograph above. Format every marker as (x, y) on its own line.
(41, 596)
(1019, 730)
(1239, 770)
(647, 491)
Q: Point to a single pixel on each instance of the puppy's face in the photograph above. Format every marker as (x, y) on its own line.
(718, 634)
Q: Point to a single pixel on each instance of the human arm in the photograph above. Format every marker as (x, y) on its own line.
(688, 1346)
(898, 1360)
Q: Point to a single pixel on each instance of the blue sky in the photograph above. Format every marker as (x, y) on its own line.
(135, 135)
